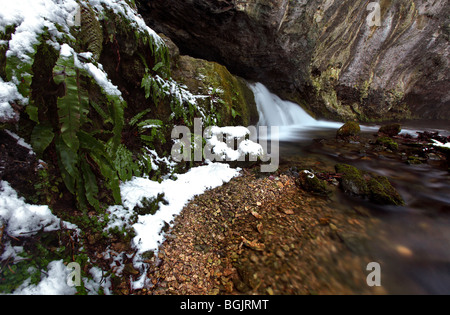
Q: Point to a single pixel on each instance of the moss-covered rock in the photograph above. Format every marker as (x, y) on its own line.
(352, 180)
(225, 94)
(387, 142)
(309, 182)
(382, 192)
(376, 189)
(390, 130)
(348, 130)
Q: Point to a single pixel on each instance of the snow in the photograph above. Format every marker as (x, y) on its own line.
(120, 7)
(8, 94)
(31, 18)
(21, 142)
(101, 78)
(54, 283)
(225, 150)
(23, 219)
(177, 192)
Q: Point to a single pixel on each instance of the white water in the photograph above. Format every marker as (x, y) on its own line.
(292, 120)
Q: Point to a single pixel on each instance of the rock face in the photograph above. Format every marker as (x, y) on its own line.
(227, 95)
(323, 54)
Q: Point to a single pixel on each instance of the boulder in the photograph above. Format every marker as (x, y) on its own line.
(309, 182)
(348, 130)
(376, 189)
(390, 130)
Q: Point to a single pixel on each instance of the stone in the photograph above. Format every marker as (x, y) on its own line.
(352, 180)
(382, 192)
(387, 142)
(348, 130)
(391, 130)
(377, 189)
(229, 95)
(310, 182)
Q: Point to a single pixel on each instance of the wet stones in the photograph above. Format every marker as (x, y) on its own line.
(376, 189)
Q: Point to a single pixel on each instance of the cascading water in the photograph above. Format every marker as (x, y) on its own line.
(290, 117)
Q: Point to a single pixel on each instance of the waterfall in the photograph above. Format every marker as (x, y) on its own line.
(290, 117)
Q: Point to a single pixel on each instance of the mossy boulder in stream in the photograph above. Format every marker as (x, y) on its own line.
(352, 180)
(376, 189)
(348, 130)
(390, 130)
(309, 182)
(381, 192)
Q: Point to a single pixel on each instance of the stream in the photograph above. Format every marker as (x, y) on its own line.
(411, 243)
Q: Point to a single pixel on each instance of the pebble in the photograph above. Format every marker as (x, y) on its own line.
(404, 251)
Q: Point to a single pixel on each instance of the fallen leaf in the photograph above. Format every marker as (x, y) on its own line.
(256, 215)
(253, 244)
(260, 228)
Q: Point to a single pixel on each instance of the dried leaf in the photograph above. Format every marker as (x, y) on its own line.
(256, 215)
(253, 244)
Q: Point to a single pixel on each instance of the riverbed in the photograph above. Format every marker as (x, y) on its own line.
(412, 242)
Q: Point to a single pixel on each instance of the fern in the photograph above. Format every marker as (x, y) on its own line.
(41, 137)
(75, 98)
(91, 35)
(80, 154)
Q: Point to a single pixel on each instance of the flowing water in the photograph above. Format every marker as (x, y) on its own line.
(412, 243)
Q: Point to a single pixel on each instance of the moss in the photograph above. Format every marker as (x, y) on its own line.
(382, 192)
(229, 96)
(352, 180)
(388, 143)
(414, 160)
(391, 129)
(377, 189)
(311, 183)
(349, 129)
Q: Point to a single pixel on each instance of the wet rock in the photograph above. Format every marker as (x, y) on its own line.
(381, 192)
(362, 184)
(387, 142)
(414, 160)
(309, 182)
(348, 130)
(390, 130)
(352, 180)
(322, 52)
(354, 242)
